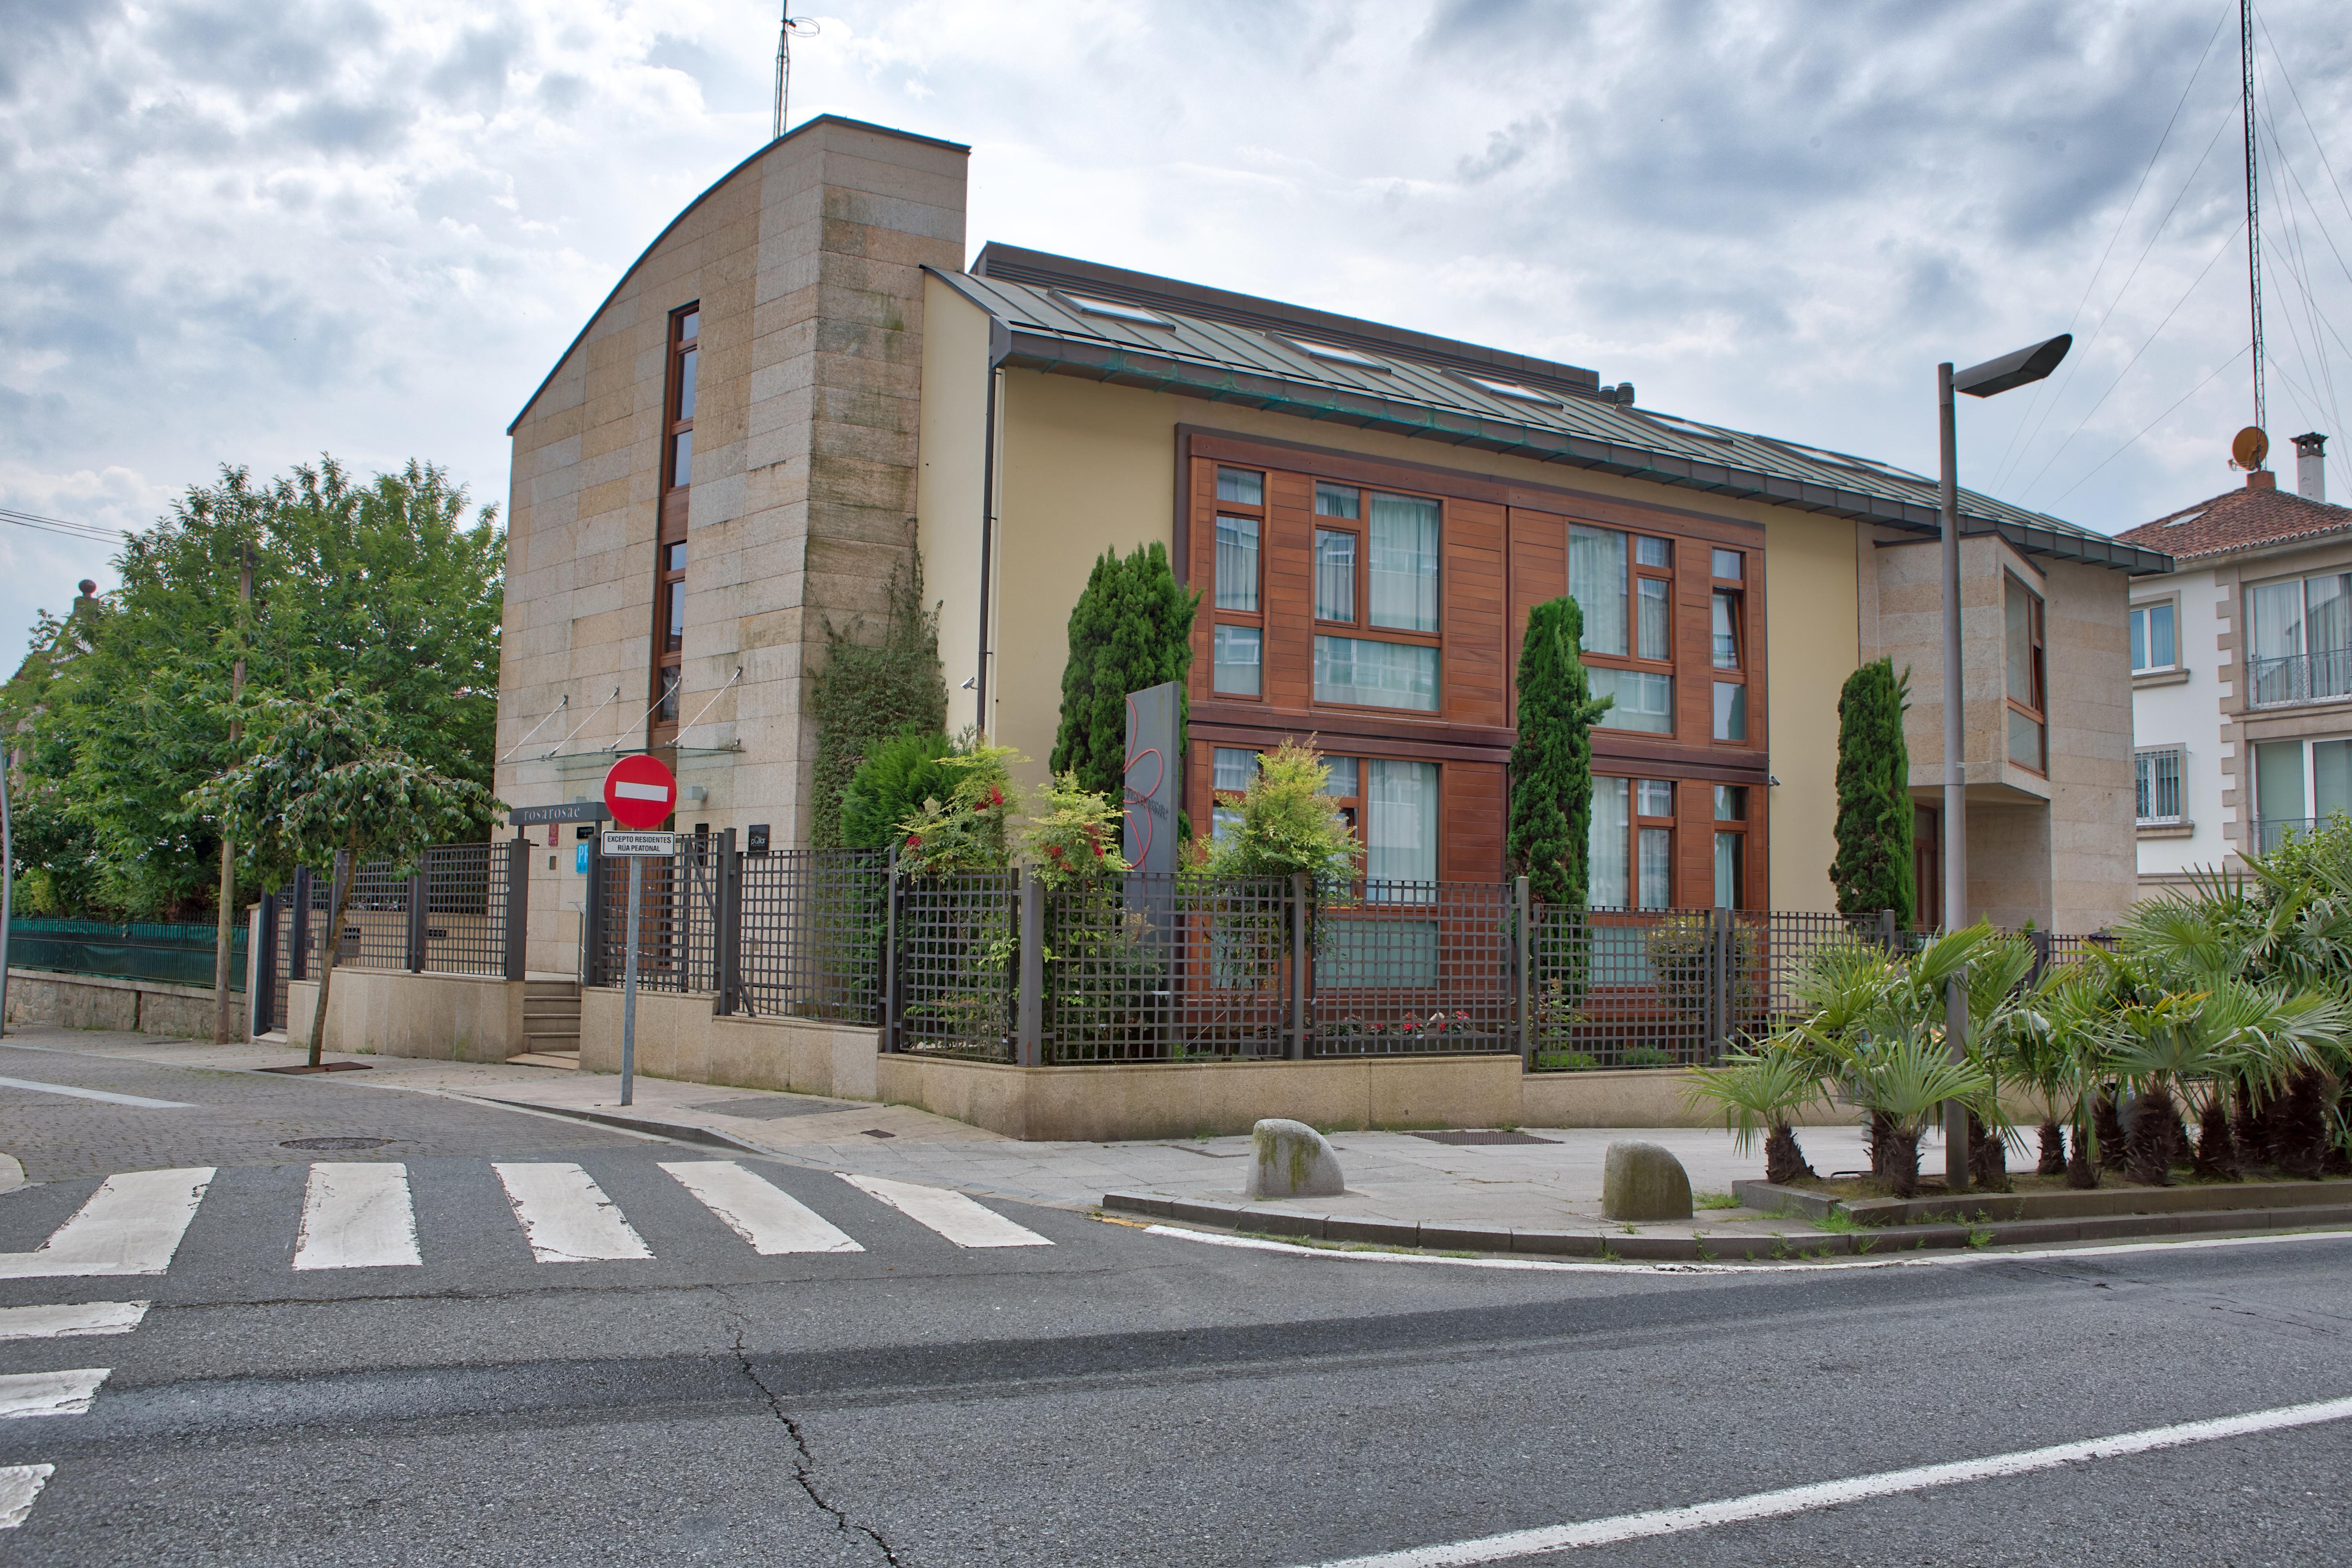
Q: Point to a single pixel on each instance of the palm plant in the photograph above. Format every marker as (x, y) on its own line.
(1762, 1093)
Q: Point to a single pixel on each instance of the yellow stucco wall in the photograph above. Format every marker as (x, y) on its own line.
(953, 426)
(1085, 467)
(1812, 645)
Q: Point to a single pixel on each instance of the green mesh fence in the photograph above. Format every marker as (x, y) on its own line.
(170, 954)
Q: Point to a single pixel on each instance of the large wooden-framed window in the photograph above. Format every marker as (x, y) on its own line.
(1624, 585)
(671, 542)
(1378, 635)
(1390, 804)
(1237, 602)
(2028, 701)
(1731, 846)
(1630, 862)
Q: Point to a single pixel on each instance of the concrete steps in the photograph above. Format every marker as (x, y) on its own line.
(550, 1024)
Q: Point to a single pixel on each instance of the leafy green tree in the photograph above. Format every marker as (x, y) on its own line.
(868, 693)
(384, 587)
(331, 787)
(1552, 757)
(1872, 869)
(1130, 629)
(1287, 823)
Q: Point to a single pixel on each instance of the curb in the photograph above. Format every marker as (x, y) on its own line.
(1717, 1249)
(684, 1132)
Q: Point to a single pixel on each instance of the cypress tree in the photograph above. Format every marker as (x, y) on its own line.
(1552, 757)
(1872, 870)
(1131, 628)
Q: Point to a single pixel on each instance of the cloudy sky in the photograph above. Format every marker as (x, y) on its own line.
(249, 231)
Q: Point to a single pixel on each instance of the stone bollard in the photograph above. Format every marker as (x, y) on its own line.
(1291, 1160)
(1642, 1181)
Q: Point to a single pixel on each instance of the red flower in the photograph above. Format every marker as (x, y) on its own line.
(995, 796)
(914, 841)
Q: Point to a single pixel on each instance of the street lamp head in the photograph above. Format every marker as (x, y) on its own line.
(2027, 364)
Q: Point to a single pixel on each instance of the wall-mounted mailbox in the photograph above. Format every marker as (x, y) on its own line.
(755, 838)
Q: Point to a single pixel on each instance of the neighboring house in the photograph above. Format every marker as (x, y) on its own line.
(799, 385)
(2241, 673)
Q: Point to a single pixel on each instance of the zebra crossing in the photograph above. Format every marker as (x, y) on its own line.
(362, 1215)
(359, 1215)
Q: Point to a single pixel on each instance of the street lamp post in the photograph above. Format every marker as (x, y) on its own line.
(1995, 375)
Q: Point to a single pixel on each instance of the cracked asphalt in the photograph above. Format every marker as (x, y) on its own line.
(1118, 1396)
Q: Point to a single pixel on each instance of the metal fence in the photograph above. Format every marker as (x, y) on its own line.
(168, 953)
(1158, 968)
(813, 928)
(954, 963)
(458, 911)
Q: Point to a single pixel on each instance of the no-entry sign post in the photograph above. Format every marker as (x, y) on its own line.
(640, 792)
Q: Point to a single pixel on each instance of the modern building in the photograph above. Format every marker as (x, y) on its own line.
(1368, 511)
(2241, 673)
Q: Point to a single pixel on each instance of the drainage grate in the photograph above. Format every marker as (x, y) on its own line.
(334, 1143)
(1485, 1136)
(877, 1132)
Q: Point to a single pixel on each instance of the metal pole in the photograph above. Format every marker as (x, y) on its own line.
(1523, 971)
(629, 984)
(1955, 824)
(1029, 1020)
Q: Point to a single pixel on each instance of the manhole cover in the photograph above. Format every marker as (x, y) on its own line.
(1483, 1136)
(324, 1143)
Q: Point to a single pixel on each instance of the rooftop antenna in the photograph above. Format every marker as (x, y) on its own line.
(806, 27)
(2253, 205)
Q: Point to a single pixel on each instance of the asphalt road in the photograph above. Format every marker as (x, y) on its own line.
(1117, 1396)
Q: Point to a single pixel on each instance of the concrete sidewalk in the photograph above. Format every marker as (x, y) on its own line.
(1543, 1178)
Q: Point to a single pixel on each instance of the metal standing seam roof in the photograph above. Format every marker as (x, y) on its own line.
(1222, 362)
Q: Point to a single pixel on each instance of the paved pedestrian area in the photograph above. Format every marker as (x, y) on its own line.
(1539, 1177)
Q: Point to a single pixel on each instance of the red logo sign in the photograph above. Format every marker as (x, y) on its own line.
(640, 791)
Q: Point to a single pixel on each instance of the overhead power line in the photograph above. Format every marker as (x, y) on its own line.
(59, 525)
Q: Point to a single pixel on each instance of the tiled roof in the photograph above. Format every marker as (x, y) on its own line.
(1079, 319)
(2243, 519)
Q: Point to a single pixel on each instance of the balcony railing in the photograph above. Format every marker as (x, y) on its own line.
(2320, 677)
(2270, 832)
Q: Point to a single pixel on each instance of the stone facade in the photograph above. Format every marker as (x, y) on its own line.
(806, 262)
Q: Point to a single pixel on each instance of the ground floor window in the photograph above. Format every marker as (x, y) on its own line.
(1629, 846)
(1390, 804)
(2298, 786)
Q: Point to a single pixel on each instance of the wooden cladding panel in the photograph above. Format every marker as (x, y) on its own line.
(1472, 609)
(1289, 544)
(1470, 841)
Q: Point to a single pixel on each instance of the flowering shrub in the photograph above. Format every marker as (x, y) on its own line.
(968, 830)
(1075, 836)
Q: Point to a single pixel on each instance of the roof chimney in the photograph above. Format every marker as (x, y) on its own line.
(2311, 466)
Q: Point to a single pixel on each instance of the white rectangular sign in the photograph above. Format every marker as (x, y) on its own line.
(640, 843)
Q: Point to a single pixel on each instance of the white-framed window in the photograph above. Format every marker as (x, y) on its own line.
(2160, 786)
(2154, 637)
(2299, 639)
(2298, 786)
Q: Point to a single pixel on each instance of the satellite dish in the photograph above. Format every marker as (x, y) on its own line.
(2249, 447)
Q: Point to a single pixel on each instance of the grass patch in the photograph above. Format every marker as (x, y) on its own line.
(1839, 1223)
(1979, 1236)
(1716, 1201)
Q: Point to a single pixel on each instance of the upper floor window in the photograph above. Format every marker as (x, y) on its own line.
(2153, 642)
(2301, 639)
(685, 327)
(1237, 636)
(2022, 657)
(1376, 570)
(1624, 585)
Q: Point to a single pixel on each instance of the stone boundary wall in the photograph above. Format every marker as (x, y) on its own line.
(106, 1001)
(392, 1013)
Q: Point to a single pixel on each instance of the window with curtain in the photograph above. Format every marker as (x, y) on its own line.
(1623, 586)
(2152, 638)
(1240, 653)
(1237, 563)
(1402, 539)
(1596, 580)
(2301, 644)
(1609, 851)
(1376, 674)
(1400, 829)
(1231, 768)
(2023, 659)
(1335, 575)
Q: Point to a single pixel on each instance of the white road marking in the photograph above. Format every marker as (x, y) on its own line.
(357, 1216)
(49, 1393)
(771, 1219)
(951, 1214)
(71, 1323)
(66, 1089)
(131, 1225)
(1832, 1494)
(566, 1216)
(19, 1485)
(1893, 1260)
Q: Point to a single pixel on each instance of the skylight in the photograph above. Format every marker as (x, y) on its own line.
(1687, 426)
(1090, 305)
(2184, 517)
(1335, 353)
(1511, 389)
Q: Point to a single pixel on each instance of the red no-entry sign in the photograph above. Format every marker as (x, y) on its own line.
(640, 791)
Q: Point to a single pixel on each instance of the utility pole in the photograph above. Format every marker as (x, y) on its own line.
(224, 940)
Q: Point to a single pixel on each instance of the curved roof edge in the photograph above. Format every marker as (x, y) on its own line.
(709, 190)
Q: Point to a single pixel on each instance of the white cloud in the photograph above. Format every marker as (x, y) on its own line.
(248, 233)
